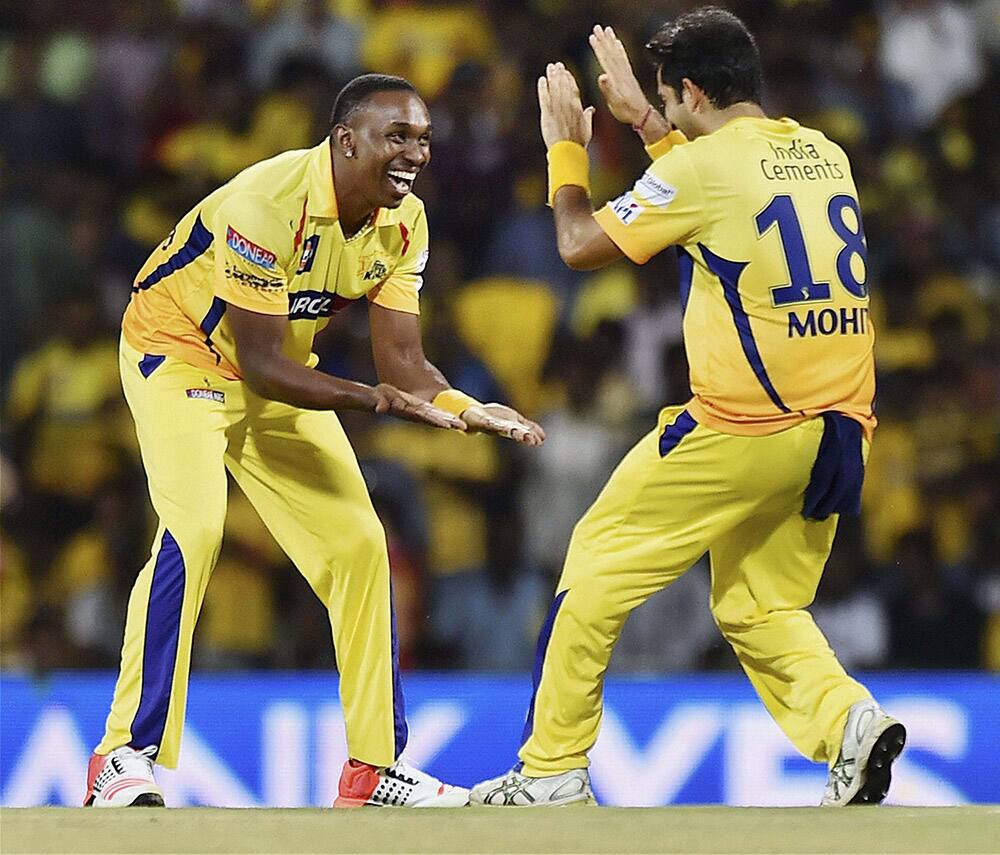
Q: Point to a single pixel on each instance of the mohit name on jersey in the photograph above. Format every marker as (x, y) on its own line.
(828, 322)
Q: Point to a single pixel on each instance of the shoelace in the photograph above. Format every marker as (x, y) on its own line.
(145, 756)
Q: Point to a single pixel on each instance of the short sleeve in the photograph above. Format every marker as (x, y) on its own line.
(249, 272)
(663, 208)
(401, 291)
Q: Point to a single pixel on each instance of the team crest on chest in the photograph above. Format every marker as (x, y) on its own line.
(373, 268)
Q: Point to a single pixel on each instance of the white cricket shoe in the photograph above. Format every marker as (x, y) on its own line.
(123, 778)
(398, 785)
(516, 790)
(872, 741)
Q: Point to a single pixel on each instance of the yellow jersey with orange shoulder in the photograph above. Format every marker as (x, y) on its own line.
(270, 241)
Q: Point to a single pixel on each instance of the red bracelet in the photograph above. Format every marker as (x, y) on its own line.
(638, 128)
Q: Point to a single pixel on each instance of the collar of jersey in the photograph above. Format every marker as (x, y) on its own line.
(322, 199)
(785, 122)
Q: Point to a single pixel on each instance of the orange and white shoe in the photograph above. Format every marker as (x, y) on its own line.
(123, 778)
(398, 785)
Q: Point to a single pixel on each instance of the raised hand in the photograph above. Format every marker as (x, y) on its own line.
(402, 405)
(503, 421)
(562, 114)
(621, 89)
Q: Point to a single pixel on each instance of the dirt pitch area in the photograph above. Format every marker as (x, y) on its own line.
(681, 829)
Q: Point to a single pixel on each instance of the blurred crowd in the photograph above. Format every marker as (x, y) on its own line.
(117, 117)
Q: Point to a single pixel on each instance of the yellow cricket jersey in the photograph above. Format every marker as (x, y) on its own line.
(270, 241)
(772, 254)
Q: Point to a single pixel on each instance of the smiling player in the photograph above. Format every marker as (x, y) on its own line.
(217, 368)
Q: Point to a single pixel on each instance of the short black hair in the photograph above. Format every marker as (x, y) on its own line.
(713, 48)
(355, 93)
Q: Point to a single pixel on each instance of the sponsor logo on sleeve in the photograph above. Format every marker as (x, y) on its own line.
(626, 208)
(654, 190)
(207, 395)
(313, 305)
(251, 280)
(249, 250)
(308, 254)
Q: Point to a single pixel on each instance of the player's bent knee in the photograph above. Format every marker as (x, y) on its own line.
(594, 605)
(198, 540)
(368, 536)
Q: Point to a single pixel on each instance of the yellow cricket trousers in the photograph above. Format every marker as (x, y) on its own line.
(299, 471)
(681, 491)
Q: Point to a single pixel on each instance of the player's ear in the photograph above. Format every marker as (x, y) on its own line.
(693, 96)
(343, 140)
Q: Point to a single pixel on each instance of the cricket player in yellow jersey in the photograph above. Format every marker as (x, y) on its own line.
(218, 371)
(756, 468)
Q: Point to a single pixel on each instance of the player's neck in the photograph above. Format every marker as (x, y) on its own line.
(353, 216)
(741, 110)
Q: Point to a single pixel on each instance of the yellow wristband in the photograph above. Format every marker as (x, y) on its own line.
(664, 144)
(568, 164)
(453, 401)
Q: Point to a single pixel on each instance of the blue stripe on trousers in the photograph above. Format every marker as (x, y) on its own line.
(400, 730)
(674, 432)
(149, 363)
(159, 651)
(536, 677)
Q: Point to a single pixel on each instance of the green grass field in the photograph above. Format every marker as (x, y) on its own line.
(683, 829)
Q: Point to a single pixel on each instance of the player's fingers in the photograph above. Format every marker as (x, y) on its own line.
(544, 99)
(439, 418)
(598, 44)
(535, 431)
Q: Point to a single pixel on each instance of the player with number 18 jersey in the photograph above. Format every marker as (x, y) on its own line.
(771, 248)
(758, 466)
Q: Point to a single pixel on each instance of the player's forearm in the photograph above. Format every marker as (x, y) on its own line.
(575, 227)
(418, 377)
(282, 379)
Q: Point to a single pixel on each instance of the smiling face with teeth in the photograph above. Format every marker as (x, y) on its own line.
(378, 151)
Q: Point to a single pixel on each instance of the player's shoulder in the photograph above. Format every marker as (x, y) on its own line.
(278, 182)
(269, 195)
(817, 136)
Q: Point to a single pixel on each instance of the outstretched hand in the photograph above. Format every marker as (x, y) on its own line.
(402, 405)
(562, 114)
(503, 421)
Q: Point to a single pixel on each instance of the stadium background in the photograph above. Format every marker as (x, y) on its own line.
(115, 118)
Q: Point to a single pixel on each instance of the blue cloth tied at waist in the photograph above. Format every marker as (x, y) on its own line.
(839, 470)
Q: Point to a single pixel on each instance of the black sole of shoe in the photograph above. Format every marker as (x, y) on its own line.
(878, 774)
(148, 800)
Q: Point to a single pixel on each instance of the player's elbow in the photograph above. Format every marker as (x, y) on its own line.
(577, 257)
(584, 246)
